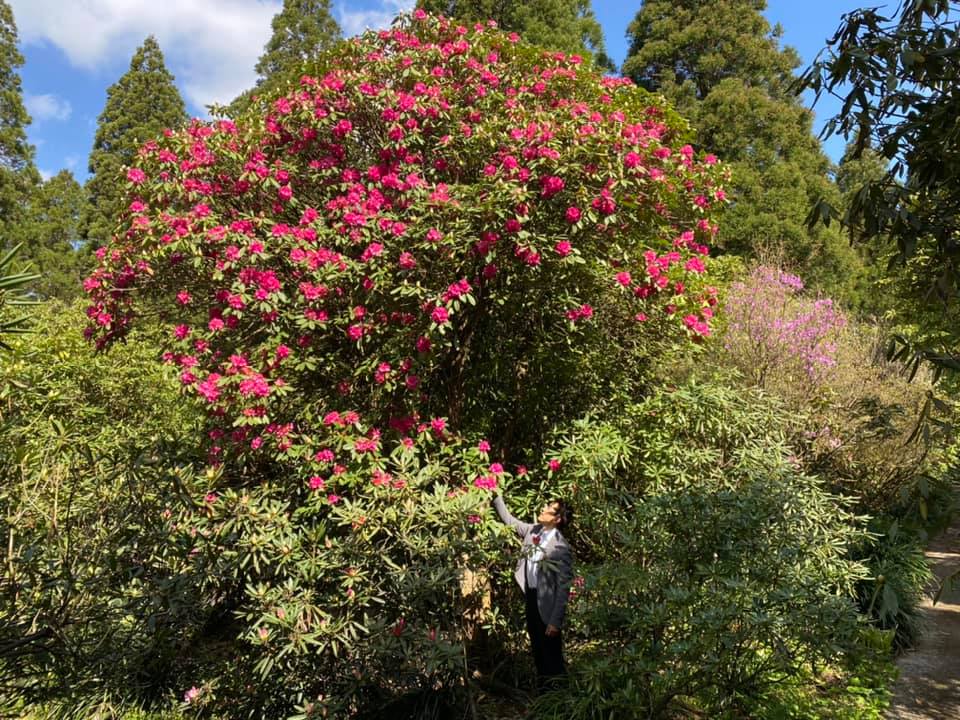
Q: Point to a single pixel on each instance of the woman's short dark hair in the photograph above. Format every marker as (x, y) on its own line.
(564, 512)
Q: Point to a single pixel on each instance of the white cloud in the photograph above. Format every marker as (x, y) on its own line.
(45, 174)
(71, 161)
(354, 22)
(211, 46)
(47, 107)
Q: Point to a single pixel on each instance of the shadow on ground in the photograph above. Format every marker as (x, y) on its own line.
(929, 684)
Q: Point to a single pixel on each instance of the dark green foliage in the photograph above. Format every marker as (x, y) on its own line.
(91, 450)
(302, 30)
(715, 568)
(897, 74)
(721, 64)
(50, 234)
(140, 105)
(17, 172)
(15, 152)
(872, 295)
(702, 42)
(565, 25)
(899, 577)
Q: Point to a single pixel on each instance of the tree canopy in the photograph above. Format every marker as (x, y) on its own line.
(50, 232)
(897, 75)
(569, 26)
(17, 172)
(302, 31)
(140, 106)
(702, 42)
(722, 66)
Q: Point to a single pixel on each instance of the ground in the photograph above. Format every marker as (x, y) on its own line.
(929, 684)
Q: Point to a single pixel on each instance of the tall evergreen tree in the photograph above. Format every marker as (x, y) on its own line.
(702, 42)
(301, 30)
(17, 172)
(140, 105)
(50, 232)
(566, 25)
(721, 64)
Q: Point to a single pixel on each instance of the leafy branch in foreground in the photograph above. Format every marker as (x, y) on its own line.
(12, 295)
(897, 77)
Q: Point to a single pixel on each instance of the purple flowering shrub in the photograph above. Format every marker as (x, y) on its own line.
(774, 329)
(852, 411)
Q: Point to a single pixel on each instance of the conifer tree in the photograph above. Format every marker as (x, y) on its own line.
(50, 232)
(301, 30)
(140, 105)
(17, 172)
(566, 25)
(721, 64)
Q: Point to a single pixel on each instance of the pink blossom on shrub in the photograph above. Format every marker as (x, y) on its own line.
(773, 327)
(486, 482)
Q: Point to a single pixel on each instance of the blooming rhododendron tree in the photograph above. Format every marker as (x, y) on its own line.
(364, 277)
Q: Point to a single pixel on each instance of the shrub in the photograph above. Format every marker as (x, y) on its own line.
(384, 289)
(899, 578)
(718, 568)
(773, 331)
(857, 423)
(91, 450)
(855, 411)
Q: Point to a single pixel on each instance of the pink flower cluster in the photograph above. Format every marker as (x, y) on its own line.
(773, 327)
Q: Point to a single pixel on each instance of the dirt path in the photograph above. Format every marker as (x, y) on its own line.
(929, 684)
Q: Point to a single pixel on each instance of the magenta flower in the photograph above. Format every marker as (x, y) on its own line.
(551, 185)
(486, 482)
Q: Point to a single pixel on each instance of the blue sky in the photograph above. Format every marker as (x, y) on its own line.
(75, 50)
